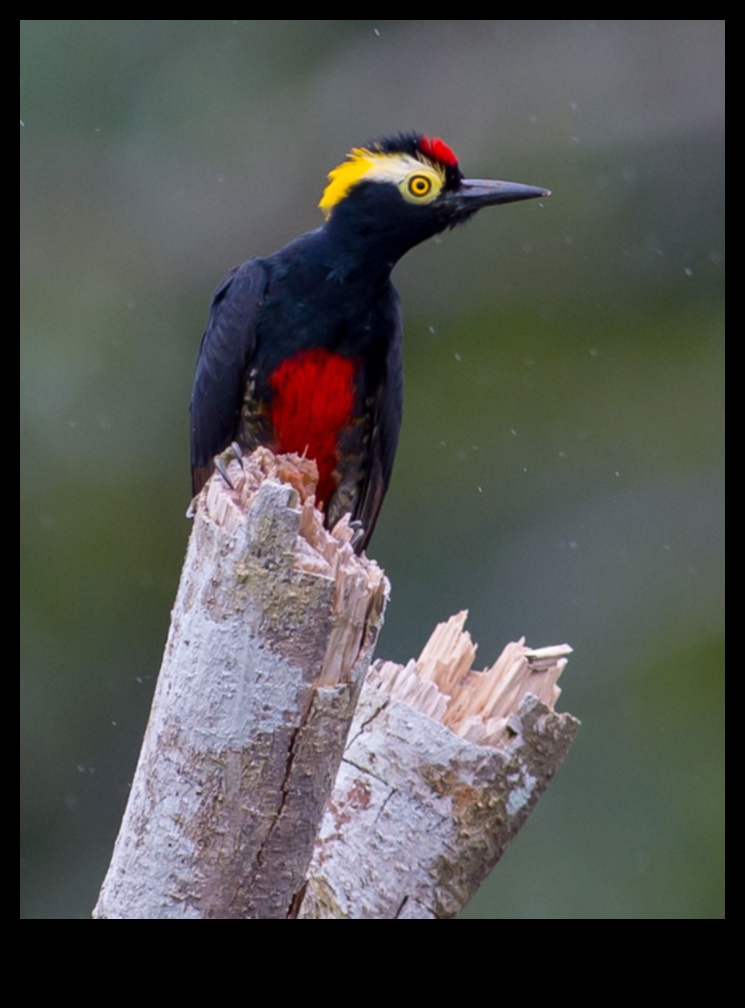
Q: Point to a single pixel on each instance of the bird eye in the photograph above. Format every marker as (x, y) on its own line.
(419, 185)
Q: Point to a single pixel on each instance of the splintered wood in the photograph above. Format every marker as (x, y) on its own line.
(442, 684)
(316, 551)
(272, 632)
(442, 767)
(360, 586)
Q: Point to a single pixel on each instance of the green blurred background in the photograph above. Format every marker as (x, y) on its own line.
(560, 469)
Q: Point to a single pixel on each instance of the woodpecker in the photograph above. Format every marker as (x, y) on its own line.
(302, 350)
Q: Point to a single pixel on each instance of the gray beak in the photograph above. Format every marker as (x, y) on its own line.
(473, 194)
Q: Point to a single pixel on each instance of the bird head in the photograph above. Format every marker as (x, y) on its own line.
(409, 187)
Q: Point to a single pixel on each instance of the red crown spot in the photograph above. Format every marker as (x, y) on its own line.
(438, 150)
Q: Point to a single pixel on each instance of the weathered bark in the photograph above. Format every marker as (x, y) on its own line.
(272, 632)
(442, 767)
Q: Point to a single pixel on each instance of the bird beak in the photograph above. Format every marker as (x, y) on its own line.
(473, 194)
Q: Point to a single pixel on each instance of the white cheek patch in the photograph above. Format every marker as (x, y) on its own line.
(370, 166)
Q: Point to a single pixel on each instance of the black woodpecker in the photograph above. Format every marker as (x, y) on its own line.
(302, 351)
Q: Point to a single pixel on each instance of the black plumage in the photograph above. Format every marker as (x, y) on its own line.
(302, 351)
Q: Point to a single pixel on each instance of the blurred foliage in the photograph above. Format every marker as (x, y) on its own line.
(560, 471)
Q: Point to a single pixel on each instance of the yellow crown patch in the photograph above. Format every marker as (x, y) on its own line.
(375, 166)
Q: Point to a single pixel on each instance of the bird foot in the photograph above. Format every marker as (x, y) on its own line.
(231, 454)
(358, 534)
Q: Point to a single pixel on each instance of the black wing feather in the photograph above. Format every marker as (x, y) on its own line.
(386, 426)
(225, 354)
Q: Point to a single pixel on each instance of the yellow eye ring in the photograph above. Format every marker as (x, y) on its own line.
(419, 186)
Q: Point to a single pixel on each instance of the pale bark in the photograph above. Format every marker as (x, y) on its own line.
(442, 767)
(272, 632)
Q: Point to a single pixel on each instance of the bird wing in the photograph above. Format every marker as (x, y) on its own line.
(386, 425)
(225, 354)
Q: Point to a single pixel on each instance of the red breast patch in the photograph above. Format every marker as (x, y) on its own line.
(312, 404)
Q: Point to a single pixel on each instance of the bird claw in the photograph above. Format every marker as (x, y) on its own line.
(232, 453)
(220, 465)
(358, 533)
(237, 452)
